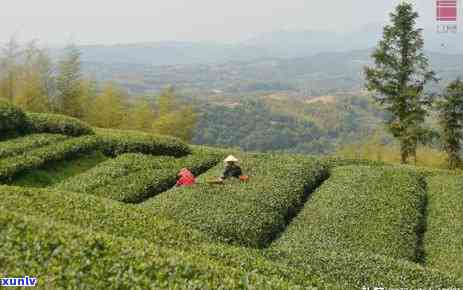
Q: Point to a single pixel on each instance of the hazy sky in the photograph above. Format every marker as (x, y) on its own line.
(123, 21)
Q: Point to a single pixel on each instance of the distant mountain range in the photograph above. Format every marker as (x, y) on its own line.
(278, 44)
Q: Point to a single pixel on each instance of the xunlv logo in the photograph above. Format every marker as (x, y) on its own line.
(18, 282)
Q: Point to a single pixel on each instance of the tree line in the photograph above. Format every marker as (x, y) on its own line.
(30, 79)
(398, 79)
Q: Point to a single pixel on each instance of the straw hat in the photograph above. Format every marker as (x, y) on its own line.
(231, 158)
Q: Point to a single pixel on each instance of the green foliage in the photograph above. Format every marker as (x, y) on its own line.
(26, 143)
(69, 83)
(251, 213)
(450, 110)
(353, 270)
(97, 261)
(58, 124)
(141, 116)
(348, 213)
(108, 108)
(56, 172)
(399, 76)
(36, 80)
(359, 228)
(123, 220)
(174, 119)
(115, 142)
(11, 118)
(442, 243)
(36, 158)
(134, 177)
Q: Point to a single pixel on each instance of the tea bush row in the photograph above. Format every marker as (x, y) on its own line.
(11, 118)
(64, 257)
(250, 213)
(57, 124)
(36, 158)
(359, 270)
(443, 241)
(135, 177)
(360, 208)
(124, 220)
(116, 142)
(26, 143)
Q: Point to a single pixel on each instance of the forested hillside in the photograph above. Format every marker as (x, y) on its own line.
(274, 123)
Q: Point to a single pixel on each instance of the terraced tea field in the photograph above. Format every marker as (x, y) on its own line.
(110, 217)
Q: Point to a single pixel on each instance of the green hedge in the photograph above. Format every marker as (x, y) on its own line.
(360, 208)
(64, 256)
(116, 142)
(356, 270)
(36, 158)
(337, 162)
(135, 177)
(11, 118)
(251, 213)
(58, 124)
(125, 220)
(443, 241)
(24, 144)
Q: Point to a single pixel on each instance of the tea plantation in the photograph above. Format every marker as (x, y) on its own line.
(299, 222)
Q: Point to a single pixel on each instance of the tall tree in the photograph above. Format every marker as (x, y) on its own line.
(35, 80)
(69, 83)
(141, 116)
(450, 110)
(108, 108)
(174, 119)
(167, 101)
(399, 76)
(11, 52)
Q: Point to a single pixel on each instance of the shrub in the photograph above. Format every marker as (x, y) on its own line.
(251, 213)
(135, 177)
(359, 228)
(58, 124)
(125, 220)
(11, 118)
(36, 158)
(25, 143)
(360, 270)
(63, 256)
(367, 209)
(337, 162)
(443, 238)
(116, 142)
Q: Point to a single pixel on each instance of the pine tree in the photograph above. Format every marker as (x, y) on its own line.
(400, 73)
(450, 110)
(69, 84)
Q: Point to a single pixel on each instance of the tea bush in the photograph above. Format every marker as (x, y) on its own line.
(36, 158)
(125, 220)
(250, 213)
(58, 124)
(135, 177)
(357, 270)
(360, 208)
(64, 256)
(24, 144)
(11, 118)
(443, 238)
(116, 142)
